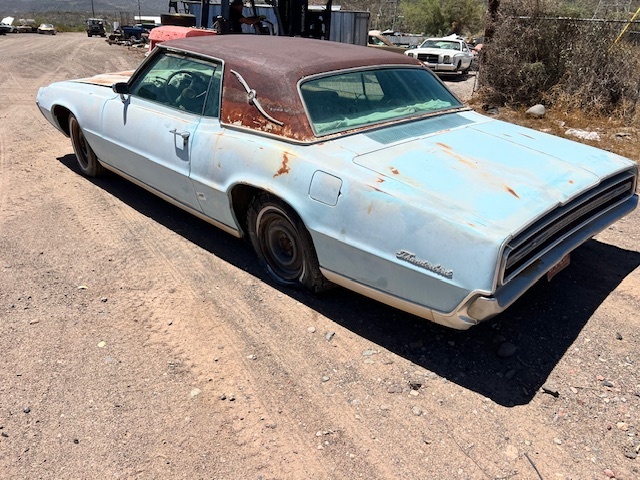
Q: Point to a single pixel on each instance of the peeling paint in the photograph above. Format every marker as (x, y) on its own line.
(107, 79)
(285, 167)
(394, 171)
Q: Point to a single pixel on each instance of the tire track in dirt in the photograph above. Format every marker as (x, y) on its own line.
(4, 184)
(168, 285)
(162, 285)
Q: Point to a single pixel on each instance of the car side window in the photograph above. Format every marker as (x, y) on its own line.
(176, 81)
(212, 105)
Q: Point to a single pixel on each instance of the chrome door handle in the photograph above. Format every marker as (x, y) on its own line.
(184, 135)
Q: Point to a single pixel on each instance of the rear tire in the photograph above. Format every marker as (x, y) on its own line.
(85, 156)
(283, 245)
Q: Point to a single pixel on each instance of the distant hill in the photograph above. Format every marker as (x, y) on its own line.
(147, 7)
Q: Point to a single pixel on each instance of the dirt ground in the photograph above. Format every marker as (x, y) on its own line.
(139, 342)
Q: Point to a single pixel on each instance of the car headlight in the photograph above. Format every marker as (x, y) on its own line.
(446, 59)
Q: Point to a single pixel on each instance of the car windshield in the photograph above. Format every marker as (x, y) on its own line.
(349, 100)
(444, 44)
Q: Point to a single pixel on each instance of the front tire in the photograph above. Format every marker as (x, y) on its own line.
(86, 157)
(283, 244)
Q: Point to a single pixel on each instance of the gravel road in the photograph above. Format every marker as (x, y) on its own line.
(139, 342)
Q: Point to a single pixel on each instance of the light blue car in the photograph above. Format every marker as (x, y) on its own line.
(347, 166)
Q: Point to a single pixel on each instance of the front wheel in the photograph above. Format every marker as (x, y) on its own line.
(86, 157)
(283, 244)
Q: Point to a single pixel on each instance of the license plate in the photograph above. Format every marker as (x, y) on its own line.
(558, 267)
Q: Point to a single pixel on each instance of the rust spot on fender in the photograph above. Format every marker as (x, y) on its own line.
(394, 170)
(285, 167)
(571, 182)
(512, 192)
(381, 180)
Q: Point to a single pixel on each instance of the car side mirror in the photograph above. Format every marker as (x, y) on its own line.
(121, 88)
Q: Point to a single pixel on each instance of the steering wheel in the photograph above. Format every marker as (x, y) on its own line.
(182, 89)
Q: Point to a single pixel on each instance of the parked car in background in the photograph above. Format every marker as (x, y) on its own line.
(347, 165)
(132, 32)
(96, 26)
(378, 40)
(6, 28)
(27, 25)
(46, 29)
(448, 54)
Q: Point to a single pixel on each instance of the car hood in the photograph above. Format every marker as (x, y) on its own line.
(487, 172)
(107, 79)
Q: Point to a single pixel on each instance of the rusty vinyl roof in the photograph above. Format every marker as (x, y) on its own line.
(272, 66)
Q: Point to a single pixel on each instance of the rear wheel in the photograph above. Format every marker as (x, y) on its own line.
(283, 244)
(86, 157)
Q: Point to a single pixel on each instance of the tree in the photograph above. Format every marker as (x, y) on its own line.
(442, 17)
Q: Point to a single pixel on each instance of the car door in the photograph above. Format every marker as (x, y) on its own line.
(150, 131)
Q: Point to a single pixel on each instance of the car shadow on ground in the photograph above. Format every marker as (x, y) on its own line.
(507, 359)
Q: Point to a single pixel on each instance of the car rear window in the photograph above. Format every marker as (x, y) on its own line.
(360, 98)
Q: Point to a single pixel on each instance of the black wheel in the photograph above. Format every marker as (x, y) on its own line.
(283, 244)
(86, 157)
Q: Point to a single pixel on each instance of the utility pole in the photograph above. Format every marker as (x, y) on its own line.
(395, 15)
(93, 12)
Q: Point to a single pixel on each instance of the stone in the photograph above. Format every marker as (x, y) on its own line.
(583, 134)
(551, 390)
(511, 452)
(537, 111)
(394, 389)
